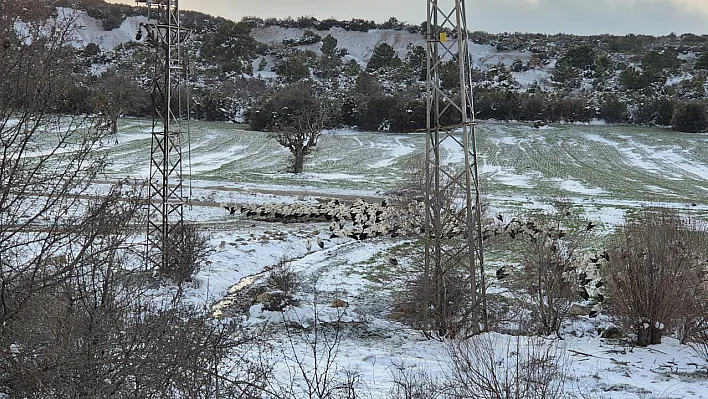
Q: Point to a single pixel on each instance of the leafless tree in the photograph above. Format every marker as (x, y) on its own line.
(438, 299)
(47, 163)
(187, 249)
(547, 279)
(317, 366)
(77, 318)
(656, 275)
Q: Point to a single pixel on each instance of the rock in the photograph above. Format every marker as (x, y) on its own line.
(338, 303)
(612, 332)
(263, 297)
(577, 309)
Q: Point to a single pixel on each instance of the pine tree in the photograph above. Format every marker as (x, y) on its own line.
(384, 56)
(329, 46)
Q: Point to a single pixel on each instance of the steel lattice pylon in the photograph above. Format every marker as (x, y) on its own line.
(453, 240)
(165, 232)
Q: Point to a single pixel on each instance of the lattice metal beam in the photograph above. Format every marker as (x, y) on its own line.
(165, 232)
(453, 244)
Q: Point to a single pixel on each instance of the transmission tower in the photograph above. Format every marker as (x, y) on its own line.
(165, 230)
(452, 189)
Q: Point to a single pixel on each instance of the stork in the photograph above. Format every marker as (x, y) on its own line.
(231, 208)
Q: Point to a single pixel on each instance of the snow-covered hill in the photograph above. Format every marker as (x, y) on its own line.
(90, 30)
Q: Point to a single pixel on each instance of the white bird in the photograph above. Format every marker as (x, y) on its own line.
(320, 242)
(308, 245)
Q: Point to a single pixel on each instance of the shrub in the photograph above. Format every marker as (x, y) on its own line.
(293, 68)
(186, 249)
(483, 367)
(655, 275)
(702, 61)
(283, 278)
(664, 111)
(413, 383)
(582, 57)
(548, 257)
(634, 79)
(699, 339)
(690, 117)
(613, 110)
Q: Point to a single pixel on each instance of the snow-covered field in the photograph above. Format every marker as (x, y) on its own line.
(602, 170)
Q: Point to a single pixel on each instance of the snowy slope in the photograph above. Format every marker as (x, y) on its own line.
(90, 30)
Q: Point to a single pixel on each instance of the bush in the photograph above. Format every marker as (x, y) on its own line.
(186, 249)
(690, 117)
(482, 367)
(231, 47)
(655, 275)
(699, 338)
(283, 278)
(548, 245)
(664, 111)
(375, 114)
(413, 383)
(633, 79)
(702, 61)
(582, 57)
(655, 62)
(293, 68)
(613, 110)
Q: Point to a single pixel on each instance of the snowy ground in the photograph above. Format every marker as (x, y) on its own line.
(602, 170)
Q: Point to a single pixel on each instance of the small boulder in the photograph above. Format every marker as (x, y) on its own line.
(612, 332)
(263, 297)
(338, 303)
(577, 309)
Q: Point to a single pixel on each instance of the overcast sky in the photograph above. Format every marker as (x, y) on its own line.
(657, 17)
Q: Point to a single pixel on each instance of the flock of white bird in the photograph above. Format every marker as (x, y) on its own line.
(362, 220)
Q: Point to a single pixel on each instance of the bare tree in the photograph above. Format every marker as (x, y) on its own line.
(438, 298)
(548, 245)
(298, 117)
(185, 255)
(656, 274)
(316, 366)
(77, 318)
(46, 163)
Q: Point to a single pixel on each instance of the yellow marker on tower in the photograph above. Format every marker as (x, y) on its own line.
(443, 37)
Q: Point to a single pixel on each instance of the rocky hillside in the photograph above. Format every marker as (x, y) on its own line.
(375, 71)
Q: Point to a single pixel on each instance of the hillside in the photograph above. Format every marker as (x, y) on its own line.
(636, 79)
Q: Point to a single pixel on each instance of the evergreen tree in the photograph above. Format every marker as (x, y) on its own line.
(329, 46)
(293, 68)
(633, 79)
(230, 46)
(384, 56)
(664, 112)
(582, 57)
(702, 61)
(417, 61)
